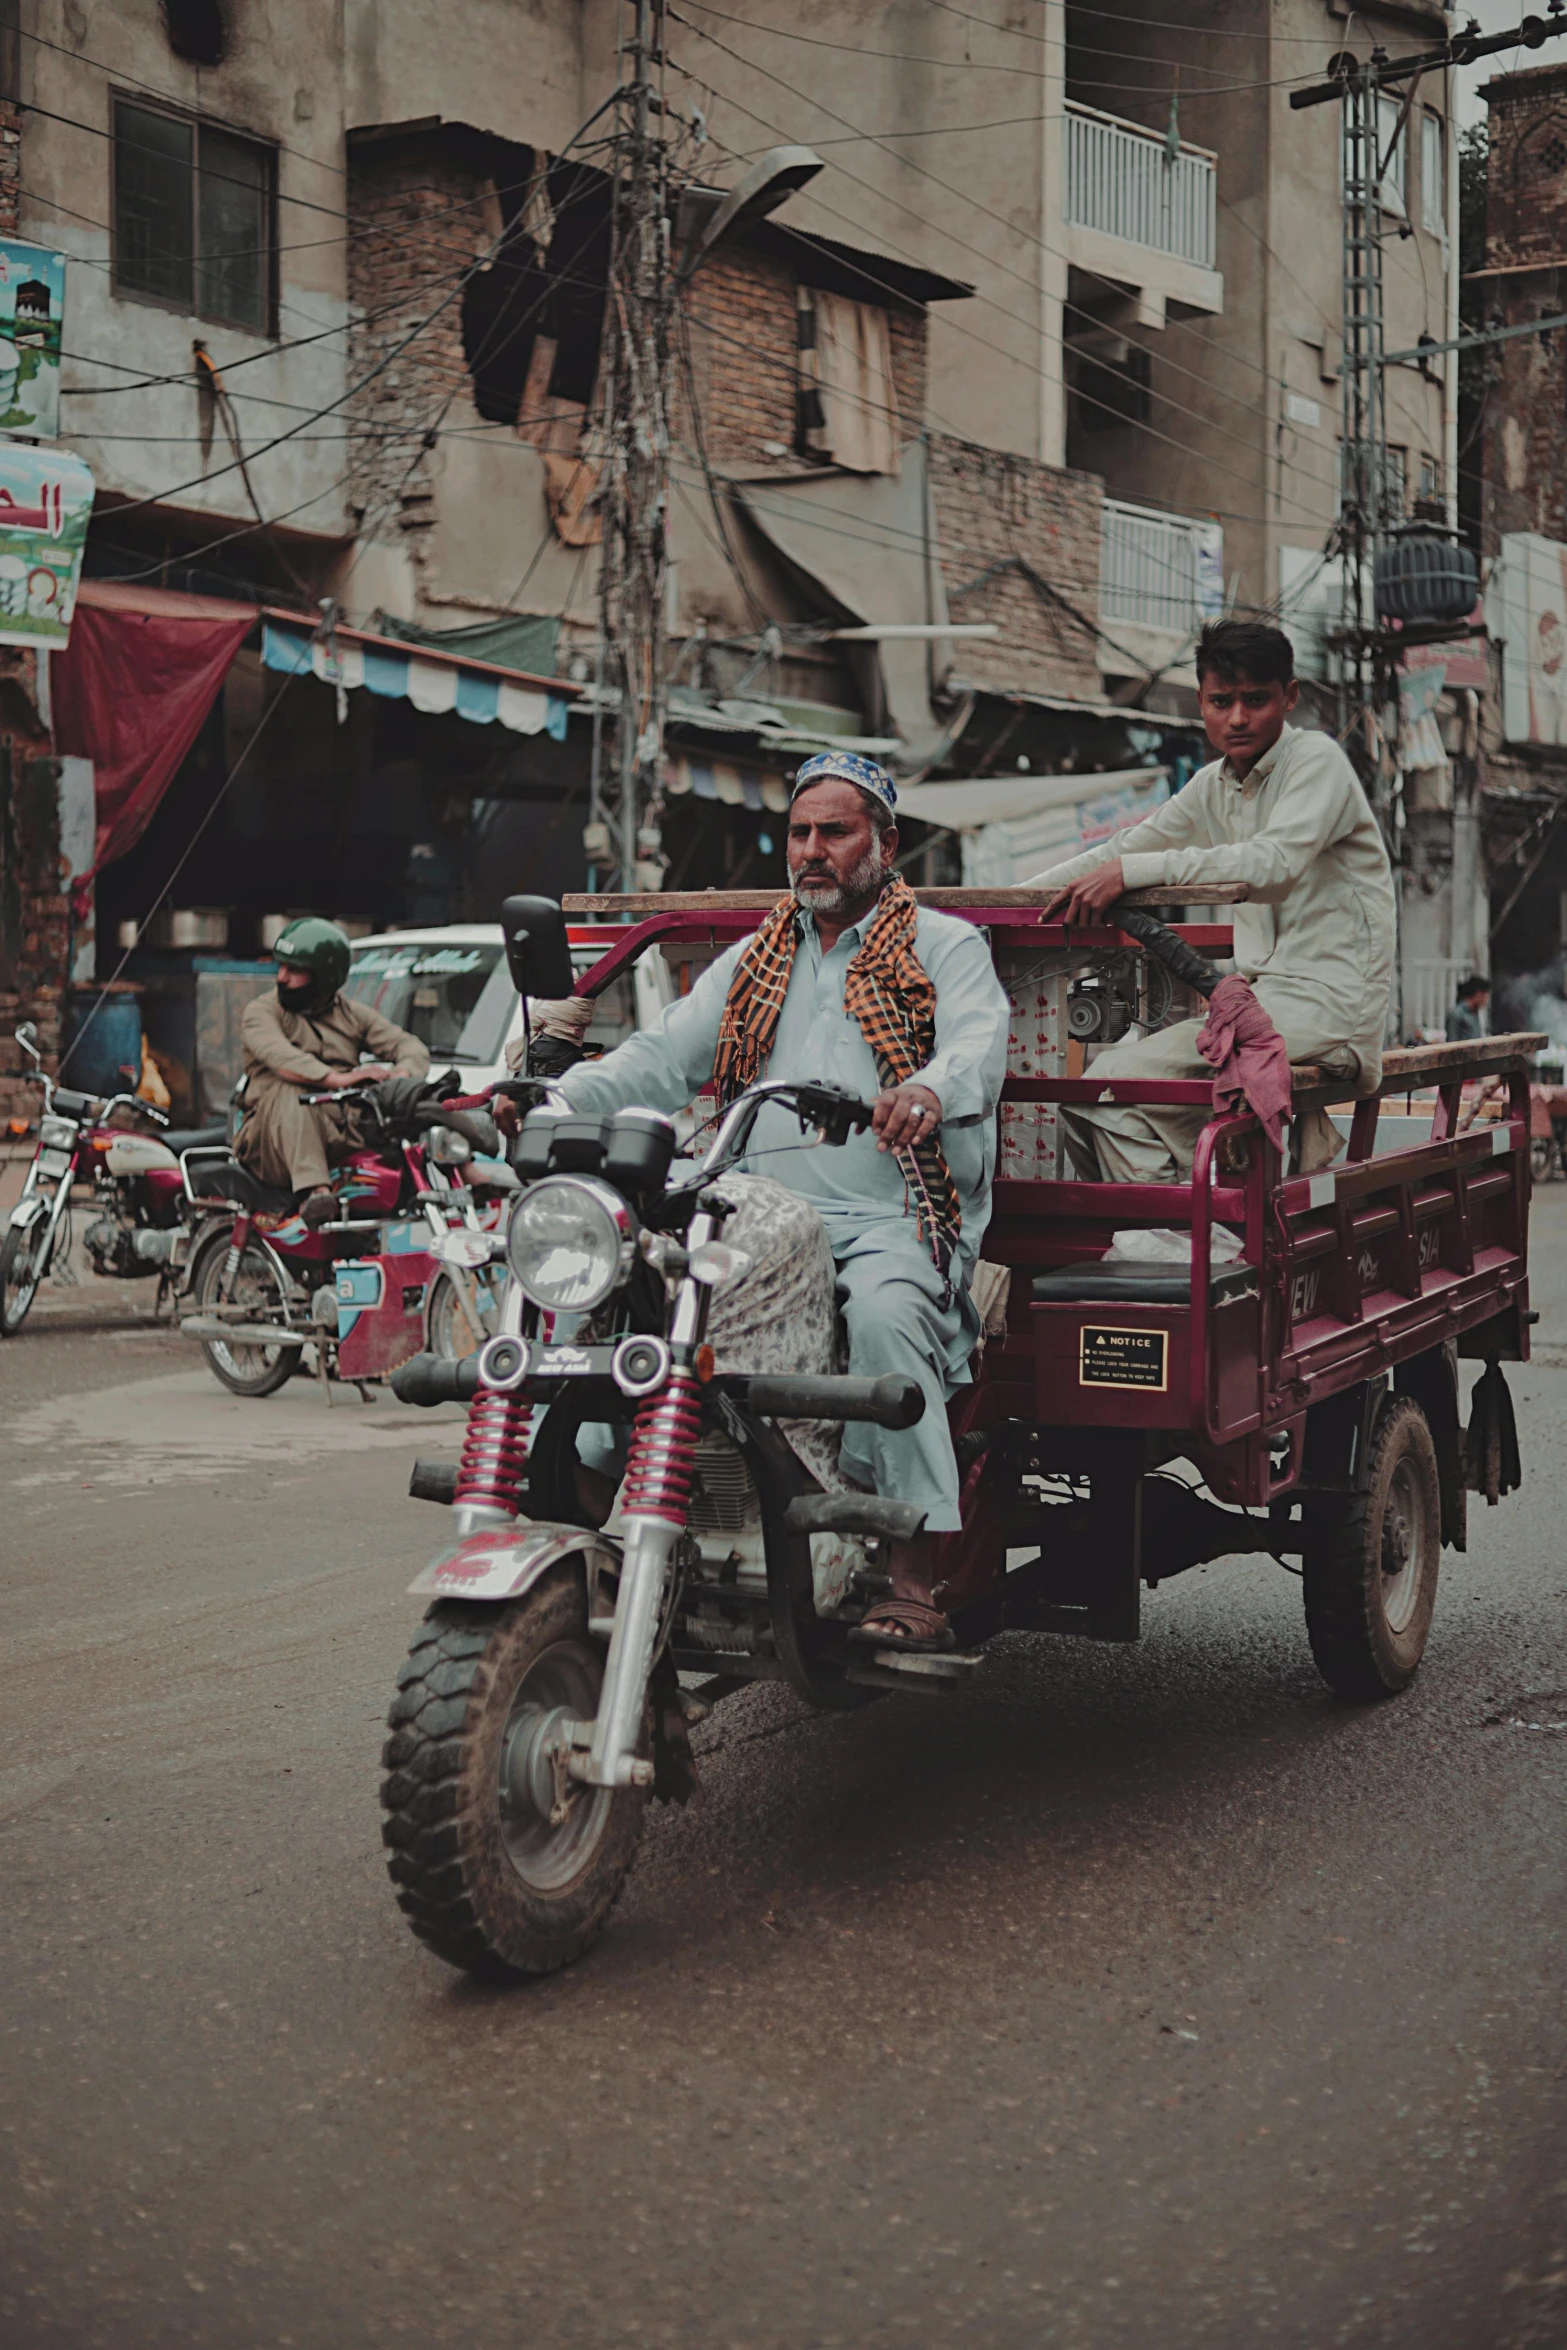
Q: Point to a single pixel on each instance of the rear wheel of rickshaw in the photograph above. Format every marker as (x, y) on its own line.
(501, 1865)
(1370, 1569)
(244, 1370)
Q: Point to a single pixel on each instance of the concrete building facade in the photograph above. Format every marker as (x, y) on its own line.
(335, 317)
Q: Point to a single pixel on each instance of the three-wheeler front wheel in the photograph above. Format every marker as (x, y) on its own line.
(1370, 1567)
(501, 1864)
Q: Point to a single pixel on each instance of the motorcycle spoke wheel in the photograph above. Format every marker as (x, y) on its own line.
(22, 1258)
(452, 1335)
(244, 1370)
(501, 1865)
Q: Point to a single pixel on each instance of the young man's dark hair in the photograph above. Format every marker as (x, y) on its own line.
(1475, 984)
(1245, 648)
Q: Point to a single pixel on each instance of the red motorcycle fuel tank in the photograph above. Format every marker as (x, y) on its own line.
(368, 1187)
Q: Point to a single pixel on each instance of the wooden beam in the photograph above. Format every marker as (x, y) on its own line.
(1405, 1067)
(643, 904)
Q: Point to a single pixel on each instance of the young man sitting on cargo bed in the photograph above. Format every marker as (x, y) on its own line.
(1281, 811)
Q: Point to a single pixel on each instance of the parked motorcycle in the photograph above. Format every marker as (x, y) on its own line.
(540, 1706)
(140, 1224)
(366, 1290)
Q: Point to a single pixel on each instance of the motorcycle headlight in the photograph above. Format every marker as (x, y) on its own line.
(448, 1148)
(570, 1242)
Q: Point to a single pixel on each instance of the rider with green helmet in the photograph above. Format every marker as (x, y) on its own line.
(309, 1037)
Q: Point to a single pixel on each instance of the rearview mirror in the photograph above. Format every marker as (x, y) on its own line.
(538, 953)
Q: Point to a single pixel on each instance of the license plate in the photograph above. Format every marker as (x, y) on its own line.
(54, 1163)
(1124, 1358)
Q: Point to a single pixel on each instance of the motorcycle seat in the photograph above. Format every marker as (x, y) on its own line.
(1137, 1285)
(193, 1138)
(227, 1179)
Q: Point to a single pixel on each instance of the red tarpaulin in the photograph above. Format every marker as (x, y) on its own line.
(130, 692)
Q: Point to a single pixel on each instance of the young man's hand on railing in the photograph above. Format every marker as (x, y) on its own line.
(1087, 898)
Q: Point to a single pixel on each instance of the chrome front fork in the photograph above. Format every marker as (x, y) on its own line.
(612, 1760)
(656, 1503)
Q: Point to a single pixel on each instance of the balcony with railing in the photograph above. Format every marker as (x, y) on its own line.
(1160, 577)
(1139, 213)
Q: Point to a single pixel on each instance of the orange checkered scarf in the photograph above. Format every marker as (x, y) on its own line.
(887, 991)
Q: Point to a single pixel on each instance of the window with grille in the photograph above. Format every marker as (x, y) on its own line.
(194, 217)
(1433, 174)
(1393, 155)
(1384, 499)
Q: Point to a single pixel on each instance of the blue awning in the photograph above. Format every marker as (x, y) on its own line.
(432, 682)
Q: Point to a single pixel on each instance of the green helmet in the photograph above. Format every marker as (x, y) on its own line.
(319, 947)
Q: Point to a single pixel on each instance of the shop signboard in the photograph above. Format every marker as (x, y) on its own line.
(32, 313)
(46, 499)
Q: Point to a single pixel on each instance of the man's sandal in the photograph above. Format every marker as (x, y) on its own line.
(905, 1623)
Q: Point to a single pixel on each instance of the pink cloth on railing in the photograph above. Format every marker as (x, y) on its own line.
(1247, 1056)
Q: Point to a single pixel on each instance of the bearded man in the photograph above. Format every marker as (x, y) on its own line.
(850, 982)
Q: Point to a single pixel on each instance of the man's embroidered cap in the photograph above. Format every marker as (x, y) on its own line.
(848, 767)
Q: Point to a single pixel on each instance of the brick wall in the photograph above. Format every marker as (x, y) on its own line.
(743, 350)
(1022, 517)
(34, 916)
(10, 165)
(743, 337)
(417, 217)
(1526, 224)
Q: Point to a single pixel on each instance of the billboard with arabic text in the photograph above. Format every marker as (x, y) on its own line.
(46, 498)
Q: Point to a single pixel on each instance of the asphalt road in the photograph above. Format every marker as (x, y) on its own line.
(1144, 1998)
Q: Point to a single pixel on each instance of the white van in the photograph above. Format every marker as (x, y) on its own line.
(451, 988)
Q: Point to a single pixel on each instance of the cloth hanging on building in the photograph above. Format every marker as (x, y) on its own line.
(522, 641)
(851, 410)
(131, 692)
(867, 546)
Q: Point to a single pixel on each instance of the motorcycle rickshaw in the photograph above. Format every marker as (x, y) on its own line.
(1292, 1391)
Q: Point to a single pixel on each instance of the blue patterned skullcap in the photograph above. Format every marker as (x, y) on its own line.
(848, 767)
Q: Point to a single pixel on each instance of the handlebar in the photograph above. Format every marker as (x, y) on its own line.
(1182, 961)
(828, 1107)
(889, 1402)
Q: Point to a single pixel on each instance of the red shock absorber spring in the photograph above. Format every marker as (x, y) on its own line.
(494, 1451)
(663, 1451)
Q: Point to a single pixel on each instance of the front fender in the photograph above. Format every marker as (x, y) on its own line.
(28, 1211)
(504, 1562)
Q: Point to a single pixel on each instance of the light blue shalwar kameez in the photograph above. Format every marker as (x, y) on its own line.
(893, 1296)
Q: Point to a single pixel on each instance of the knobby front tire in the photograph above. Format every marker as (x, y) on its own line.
(485, 1876)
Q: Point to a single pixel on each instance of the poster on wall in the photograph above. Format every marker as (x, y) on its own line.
(46, 499)
(32, 314)
(1526, 606)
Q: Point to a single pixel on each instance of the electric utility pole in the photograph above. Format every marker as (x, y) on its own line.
(628, 751)
(1370, 506)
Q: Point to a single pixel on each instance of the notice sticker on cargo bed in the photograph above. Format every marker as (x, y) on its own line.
(1123, 1358)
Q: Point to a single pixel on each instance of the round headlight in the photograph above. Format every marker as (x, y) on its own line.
(448, 1148)
(570, 1242)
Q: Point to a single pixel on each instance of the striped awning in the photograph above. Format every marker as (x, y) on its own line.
(717, 779)
(432, 682)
